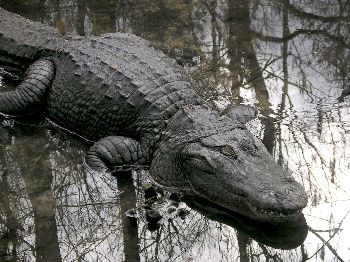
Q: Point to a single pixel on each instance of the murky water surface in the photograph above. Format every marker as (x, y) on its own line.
(288, 58)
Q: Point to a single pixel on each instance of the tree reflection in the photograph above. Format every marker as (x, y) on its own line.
(9, 225)
(88, 214)
(35, 168)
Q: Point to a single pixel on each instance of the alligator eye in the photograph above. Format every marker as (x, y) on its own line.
(228, 151)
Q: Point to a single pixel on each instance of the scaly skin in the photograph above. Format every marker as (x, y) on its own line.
(140, 108)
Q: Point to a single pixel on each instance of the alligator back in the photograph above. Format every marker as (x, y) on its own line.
(115, 84)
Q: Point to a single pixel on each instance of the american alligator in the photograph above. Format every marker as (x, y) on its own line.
(140, 109)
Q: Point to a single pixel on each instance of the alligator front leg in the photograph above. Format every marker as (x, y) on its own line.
(116, 153)
(29, 95)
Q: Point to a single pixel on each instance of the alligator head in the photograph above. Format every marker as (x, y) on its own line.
(219, 159)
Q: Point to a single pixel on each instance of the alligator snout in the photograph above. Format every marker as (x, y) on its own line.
(289, 196)
(279, 204)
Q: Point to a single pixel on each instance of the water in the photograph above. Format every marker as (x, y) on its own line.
(290, 59)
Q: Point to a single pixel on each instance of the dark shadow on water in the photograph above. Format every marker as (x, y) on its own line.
(130, 229)
(287, 236)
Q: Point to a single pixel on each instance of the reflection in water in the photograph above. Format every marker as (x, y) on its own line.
(287, 236)
(289, 58)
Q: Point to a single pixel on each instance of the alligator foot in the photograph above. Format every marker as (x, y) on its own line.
(29, 95)
(116, 153)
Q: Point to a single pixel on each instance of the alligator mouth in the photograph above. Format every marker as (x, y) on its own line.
(277, 216)
(254, 212)
(266, 215)
(269, 215)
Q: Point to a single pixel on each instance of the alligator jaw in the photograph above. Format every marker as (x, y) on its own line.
(279, 216)
(251, 211)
